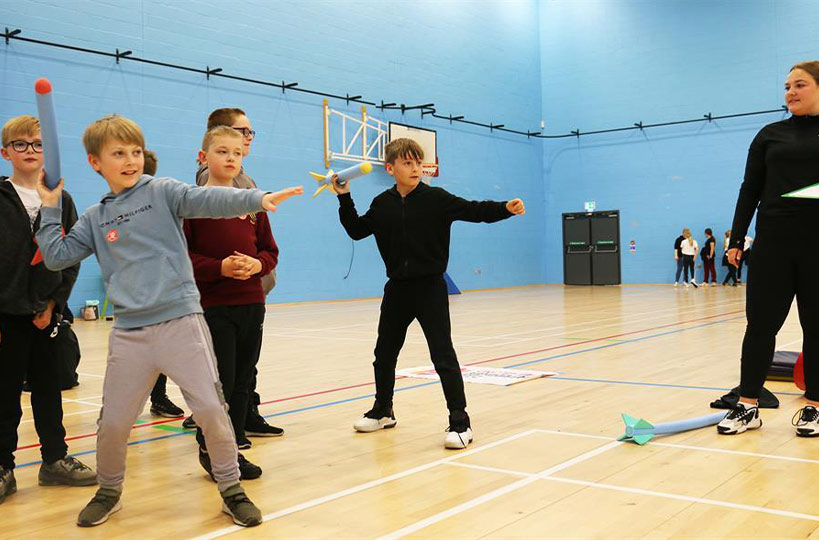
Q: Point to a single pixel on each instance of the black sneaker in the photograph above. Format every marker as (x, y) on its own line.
(238, 506)
(243, 443)
(808, 423)
(189, 423)
(459, 431)
(256, 426)
(8, 484)
(739, 420)
(165, 407)
(379, 417)
(204, 461)
(248, 470)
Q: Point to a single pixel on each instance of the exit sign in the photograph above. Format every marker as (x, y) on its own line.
(590, 206)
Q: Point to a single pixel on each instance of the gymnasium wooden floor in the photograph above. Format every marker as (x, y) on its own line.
(544, 463)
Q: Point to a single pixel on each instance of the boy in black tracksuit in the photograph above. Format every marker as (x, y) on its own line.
(411, 223)
(32, 299)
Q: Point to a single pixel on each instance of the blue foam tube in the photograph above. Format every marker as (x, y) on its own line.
(355, 171)
(48, 129)
(680, 425)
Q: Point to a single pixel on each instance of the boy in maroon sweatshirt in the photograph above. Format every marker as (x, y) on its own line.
(229, 257)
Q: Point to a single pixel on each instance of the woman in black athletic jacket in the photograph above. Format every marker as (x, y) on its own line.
(784, 156)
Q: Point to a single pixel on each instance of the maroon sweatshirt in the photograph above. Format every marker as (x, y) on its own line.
(211, 240)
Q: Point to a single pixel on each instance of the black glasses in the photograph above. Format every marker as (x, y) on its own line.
(246, 132)
(22, 146)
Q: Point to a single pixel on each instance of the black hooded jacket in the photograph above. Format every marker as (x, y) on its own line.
(26, 285)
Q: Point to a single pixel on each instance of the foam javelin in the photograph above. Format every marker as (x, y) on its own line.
(48, 129)
(325, 180)
(641, 431)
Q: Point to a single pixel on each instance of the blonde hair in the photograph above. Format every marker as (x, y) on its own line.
(218, 131)
(151, 162)
(403, 148)
(687, 230)
(111, 128)
(23, 125)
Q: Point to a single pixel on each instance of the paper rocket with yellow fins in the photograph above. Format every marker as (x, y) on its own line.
(325, 180)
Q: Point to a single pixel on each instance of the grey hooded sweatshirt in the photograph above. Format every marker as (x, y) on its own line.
(137, 238)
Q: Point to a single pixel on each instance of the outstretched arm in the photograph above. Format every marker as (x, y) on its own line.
(458, 209)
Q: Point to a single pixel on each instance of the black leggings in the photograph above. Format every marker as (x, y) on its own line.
(236, 333)
(688, 266)
(784, 266)
(427, 300)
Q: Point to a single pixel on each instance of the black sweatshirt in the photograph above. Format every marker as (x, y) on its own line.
(412, 232)
(784, 156)
(26, 285)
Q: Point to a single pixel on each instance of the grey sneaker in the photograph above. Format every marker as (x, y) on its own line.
(68, 471)
(97, 511)
(8, 484)
(237, 505)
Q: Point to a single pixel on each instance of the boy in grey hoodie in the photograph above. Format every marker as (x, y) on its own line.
(135, 232)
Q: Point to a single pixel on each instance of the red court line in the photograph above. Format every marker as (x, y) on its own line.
(342, 388)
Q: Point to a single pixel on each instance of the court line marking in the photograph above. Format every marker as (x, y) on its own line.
(640, 491)
(327, 404)
(514, 486)
(685, 447)
(367, 485)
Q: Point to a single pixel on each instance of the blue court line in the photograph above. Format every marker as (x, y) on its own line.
(663, 385)
(358, 398)
(283, 413)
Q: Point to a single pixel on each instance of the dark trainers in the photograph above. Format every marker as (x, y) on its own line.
(165, 407)
(204, 461)
(189, 423)
(243, 443)
(8, 484)
(808, 423)
(379, 417)
(740, 419)
(237, 505)
(459, 431)
(68, 471)
(248, 470)
(257, 426)
(104, 503)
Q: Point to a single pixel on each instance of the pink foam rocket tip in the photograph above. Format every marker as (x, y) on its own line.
(42, 86)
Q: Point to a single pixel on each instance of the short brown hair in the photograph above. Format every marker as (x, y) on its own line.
(403, 148)
(812, 67)
(224, 117)
(219, 131)
(25, 125)
(110, 128)
(151, 161)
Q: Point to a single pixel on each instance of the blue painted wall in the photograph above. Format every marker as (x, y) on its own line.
(609, 64)
(476, 58)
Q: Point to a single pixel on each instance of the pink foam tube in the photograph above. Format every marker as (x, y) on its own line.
(48, 129)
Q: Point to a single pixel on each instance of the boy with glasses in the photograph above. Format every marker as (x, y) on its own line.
(32, 299)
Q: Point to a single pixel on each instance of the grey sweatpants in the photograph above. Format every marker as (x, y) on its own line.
(182, 349)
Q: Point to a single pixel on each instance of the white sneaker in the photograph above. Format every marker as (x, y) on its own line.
(694, 283)
(687, 286)
(740, 419)
(808, 423)
(676, 284)
(459, 432)
(376, 418)
(458, 440)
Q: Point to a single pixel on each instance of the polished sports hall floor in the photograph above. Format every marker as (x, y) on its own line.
(544, 463)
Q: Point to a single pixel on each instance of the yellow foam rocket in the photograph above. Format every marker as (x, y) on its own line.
(326, 180)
